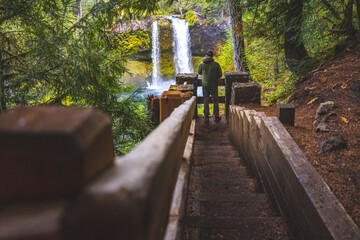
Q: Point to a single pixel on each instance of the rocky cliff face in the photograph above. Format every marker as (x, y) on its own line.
(204, 36)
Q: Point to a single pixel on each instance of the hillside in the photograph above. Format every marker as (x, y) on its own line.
(338, 81)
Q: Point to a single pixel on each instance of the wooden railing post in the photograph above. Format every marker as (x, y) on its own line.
(47, 155)
(51, 151)
(132, 199)
(230, 78)
(58, 179)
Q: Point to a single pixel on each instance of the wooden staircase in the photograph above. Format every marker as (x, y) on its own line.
(224, 201)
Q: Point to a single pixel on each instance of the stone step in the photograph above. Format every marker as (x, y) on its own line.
(225, 186)
(235, 228)
(220, 172)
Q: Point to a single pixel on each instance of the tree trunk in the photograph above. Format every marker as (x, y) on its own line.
(332, 9)
(358, 11)
(237, 34)
(347, 25)
(2, 88)
(294, 46)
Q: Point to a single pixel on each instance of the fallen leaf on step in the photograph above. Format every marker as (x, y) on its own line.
(345, 120)
(313, 100)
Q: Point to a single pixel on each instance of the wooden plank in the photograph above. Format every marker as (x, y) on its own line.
(249, 197)
(200, 100)
(231, 222)
(132, 199)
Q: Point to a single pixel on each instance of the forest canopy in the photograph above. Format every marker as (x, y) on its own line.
(61, 52)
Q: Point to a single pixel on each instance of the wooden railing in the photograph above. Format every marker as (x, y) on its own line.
(129, 199)
(297, 190)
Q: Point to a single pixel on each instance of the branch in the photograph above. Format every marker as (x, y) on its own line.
(332, 9)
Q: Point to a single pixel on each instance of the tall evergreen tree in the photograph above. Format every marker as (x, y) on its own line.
(294, 46)
(49, 55)
(235, 11)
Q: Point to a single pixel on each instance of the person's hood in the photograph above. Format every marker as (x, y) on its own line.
(208, 60)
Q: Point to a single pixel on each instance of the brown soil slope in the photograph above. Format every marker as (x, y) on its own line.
(338, 81)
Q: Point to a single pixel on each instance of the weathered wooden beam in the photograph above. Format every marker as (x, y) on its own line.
(288, 177)
(286, 113)
(132, 199)
(230, 78)
(51, 150)
(249, 92)
(200, 100)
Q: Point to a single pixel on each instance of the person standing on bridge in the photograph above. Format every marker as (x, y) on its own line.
(211, 72)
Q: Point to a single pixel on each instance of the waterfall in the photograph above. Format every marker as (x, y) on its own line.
(181, 44)
(182, 54)
(155, 56)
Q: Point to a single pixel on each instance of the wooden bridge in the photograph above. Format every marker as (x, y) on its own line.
(242, 178)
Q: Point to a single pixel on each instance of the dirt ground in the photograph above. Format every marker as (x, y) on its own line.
(338, 81)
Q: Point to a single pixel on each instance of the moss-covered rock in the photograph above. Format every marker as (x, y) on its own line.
(166, 34)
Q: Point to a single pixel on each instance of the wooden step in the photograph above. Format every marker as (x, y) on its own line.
(213, 148)
(239, 205)
(212, 139)
(215, 154)
(219, 172)
(233, 228)
(212, 143)
(236, 209)
(226, 186)
(211, 163)
(215, 162)
(248, 197)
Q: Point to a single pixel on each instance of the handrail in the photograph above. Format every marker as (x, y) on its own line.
(132, 199)
(293, 184)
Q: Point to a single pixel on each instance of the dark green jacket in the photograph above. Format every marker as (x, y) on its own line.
(211, 72)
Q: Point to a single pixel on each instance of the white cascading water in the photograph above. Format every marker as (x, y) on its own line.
(155, 56)
(181, 44)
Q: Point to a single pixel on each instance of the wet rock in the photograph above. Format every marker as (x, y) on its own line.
(332, 144)
(330, 118)
(322, 127)
(324, 108)
(322, 124)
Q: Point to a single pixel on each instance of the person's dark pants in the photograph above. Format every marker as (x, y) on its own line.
(213, 91)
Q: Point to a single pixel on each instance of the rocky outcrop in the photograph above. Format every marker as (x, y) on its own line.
(204, 36)
(142, 24)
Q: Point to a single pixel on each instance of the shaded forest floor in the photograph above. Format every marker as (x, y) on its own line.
(339, 81)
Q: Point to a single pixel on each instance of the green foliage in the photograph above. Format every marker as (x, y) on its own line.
(166, 33)
(264, 26)
(50, 55)
(167, 67)
(191, 18)
(225, 57)
(200, 108)
(130, 42)
(196, 62)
